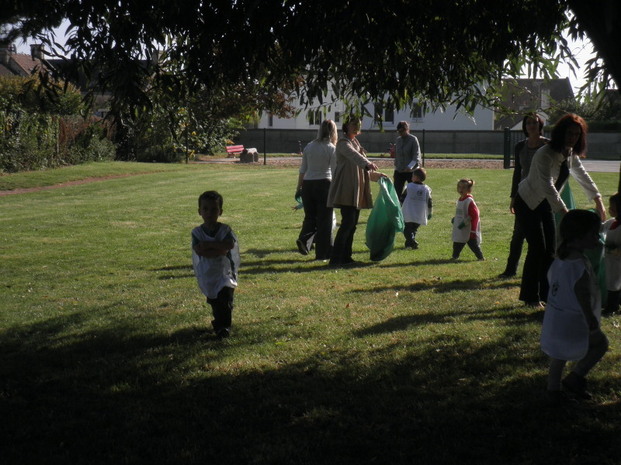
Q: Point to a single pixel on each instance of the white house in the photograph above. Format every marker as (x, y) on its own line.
(447, 120)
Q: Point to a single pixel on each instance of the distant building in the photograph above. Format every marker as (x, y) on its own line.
(18, 64)
(448, 119)
(520, 96)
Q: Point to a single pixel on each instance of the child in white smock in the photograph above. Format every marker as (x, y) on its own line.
(571, 328)
(612, 254)
(215, 257)
(417, 207)
(466, 222)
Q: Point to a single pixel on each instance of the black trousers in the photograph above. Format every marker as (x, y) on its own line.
(342, 250)
(539, 231)
(472, 243)
(409, 231)
(401, 179)
(515, 248)
(222, 308)
(612, 301)
(317, 225)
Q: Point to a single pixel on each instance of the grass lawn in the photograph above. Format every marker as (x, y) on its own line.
(414, 359)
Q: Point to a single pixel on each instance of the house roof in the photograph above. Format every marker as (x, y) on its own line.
(4, 71)
(25, 62)
(17, 64)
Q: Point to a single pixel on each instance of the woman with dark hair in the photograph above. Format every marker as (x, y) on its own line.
(538, 198)
(350, 189)
(532, 127)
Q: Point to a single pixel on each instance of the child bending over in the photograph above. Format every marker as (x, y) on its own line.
(571, 328)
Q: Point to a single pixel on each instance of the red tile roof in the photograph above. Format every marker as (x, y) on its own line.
(25, 62)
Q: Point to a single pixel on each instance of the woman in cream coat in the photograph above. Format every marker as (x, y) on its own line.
(350, 190)
(538, 198)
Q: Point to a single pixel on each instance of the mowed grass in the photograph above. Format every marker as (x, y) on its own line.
(414, 359)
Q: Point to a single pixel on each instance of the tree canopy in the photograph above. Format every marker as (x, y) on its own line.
(434, 50)
(437, 51)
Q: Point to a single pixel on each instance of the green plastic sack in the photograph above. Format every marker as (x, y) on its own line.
(385, 221)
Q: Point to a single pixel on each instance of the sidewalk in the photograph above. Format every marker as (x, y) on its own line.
(601, 166)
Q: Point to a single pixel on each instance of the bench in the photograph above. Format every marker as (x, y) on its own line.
(246, 155)
(234, 150)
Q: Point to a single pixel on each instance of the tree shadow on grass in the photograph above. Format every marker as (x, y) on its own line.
(442, 285)
(121, 395)
(415, 320)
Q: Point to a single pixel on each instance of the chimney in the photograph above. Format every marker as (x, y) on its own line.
(36, 51)
(5, 52)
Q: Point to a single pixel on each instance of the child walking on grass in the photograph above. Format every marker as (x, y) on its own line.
(612, 254)
(417, 207)
(571, 323)
(466, 222)
(215, 257)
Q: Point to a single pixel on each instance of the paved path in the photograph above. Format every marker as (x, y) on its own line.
(602, 166)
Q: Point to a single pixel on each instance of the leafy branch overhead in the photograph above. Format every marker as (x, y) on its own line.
(439, 51)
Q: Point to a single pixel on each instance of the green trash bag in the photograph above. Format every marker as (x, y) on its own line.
(385, 221)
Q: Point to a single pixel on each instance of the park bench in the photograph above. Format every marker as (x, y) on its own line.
(246, 155)
(234, 150)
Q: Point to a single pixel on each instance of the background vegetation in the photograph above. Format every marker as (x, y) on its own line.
(45, 130)
(416, 359)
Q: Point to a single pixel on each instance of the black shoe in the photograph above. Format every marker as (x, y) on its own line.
(534, 304)
(608, 311)
(301, 247)
(506, 275)
(577, 384)
(558, 399)
(223, 333)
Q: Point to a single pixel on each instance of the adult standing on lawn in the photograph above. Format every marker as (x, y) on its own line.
(532, 127)
(350, 189)
(538, 197)
(318, 163)
(407, 158)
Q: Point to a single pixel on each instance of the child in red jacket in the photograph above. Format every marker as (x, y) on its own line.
(466, 223)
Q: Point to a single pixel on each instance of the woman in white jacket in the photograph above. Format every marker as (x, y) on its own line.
(537, 199)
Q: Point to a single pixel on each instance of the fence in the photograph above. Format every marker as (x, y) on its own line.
(601, 146)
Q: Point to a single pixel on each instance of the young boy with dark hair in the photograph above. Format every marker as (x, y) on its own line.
(215, 258)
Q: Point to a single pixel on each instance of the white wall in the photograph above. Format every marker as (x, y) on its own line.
(449, 119)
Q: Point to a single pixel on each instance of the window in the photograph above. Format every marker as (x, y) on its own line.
(314, 117)
(270, 120)
(389, 115)
(417, 111)
(378, 113)
(383, 113)
(337, 116)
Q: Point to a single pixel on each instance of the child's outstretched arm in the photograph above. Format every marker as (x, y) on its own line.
(582, 289)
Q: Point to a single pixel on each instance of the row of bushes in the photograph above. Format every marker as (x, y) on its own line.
(41, 129)
(35, 141)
